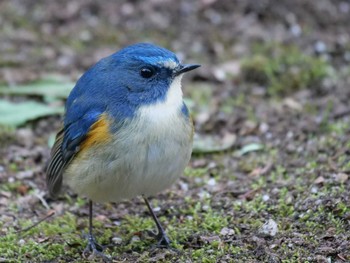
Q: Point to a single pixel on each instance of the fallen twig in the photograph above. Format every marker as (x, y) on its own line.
(49, 214)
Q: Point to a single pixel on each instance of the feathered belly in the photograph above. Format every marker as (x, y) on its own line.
(142, 164)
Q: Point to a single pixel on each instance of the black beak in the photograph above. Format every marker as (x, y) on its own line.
(185, 68)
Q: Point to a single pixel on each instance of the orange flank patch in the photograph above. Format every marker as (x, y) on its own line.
(98, 133)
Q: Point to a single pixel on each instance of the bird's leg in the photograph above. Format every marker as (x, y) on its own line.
(92, 245)
(163, 240)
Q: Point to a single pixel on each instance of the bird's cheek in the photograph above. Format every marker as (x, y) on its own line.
(135, 98)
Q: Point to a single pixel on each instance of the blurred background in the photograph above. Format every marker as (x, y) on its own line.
(271, 110)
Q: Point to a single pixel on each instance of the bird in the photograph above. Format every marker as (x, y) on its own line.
(126, 132)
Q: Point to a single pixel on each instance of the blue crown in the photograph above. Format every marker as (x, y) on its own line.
(147, 53)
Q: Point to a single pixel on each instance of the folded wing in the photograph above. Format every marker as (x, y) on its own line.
(77, 136)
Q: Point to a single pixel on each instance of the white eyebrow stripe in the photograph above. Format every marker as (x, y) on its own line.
(170, 64)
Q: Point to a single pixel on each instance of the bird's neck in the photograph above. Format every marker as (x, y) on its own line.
(167, 108)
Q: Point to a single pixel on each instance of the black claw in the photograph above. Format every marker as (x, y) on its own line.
(163, 241)
(92, 244)
(95, 249)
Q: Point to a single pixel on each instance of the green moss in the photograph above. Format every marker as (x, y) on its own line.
(230, 102)
(338, 127)
(13, 186)
(198, 172)
(284, 69)
(54, 236)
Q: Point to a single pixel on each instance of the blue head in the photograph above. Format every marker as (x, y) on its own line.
(138, 75)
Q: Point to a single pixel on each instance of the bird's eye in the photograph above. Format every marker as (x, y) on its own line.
(147, 72)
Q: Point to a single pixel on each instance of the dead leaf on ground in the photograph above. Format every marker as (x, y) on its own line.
(211, 144)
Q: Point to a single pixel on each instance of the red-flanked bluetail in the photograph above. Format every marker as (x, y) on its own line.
(127, 131)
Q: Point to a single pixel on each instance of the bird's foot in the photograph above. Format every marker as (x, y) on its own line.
(163, 240)
(95, 249)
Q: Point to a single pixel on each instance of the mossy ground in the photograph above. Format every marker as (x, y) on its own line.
(312, 215)
(287, 105)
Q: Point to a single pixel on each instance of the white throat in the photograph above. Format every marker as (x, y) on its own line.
(169, 107)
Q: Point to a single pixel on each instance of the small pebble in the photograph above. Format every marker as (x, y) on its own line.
(190, 218)
(269, 229)
(205, 207)
(265, 198)
(183, 186)
(227, 231)
(314, 190)
(320, 47)
(25, 137)
(156, 209)
(296, 30)
(135, 239)
(203, 195)
(117, 223)
(25, 174)
(11, 179)
(198, 180)
(211, 182)
(263, 127)
(117, 240)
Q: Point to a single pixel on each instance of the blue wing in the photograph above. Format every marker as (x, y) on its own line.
(95, 93)
(66, 146)
(82, 112)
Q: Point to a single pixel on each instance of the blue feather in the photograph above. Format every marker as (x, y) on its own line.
(184, 110)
